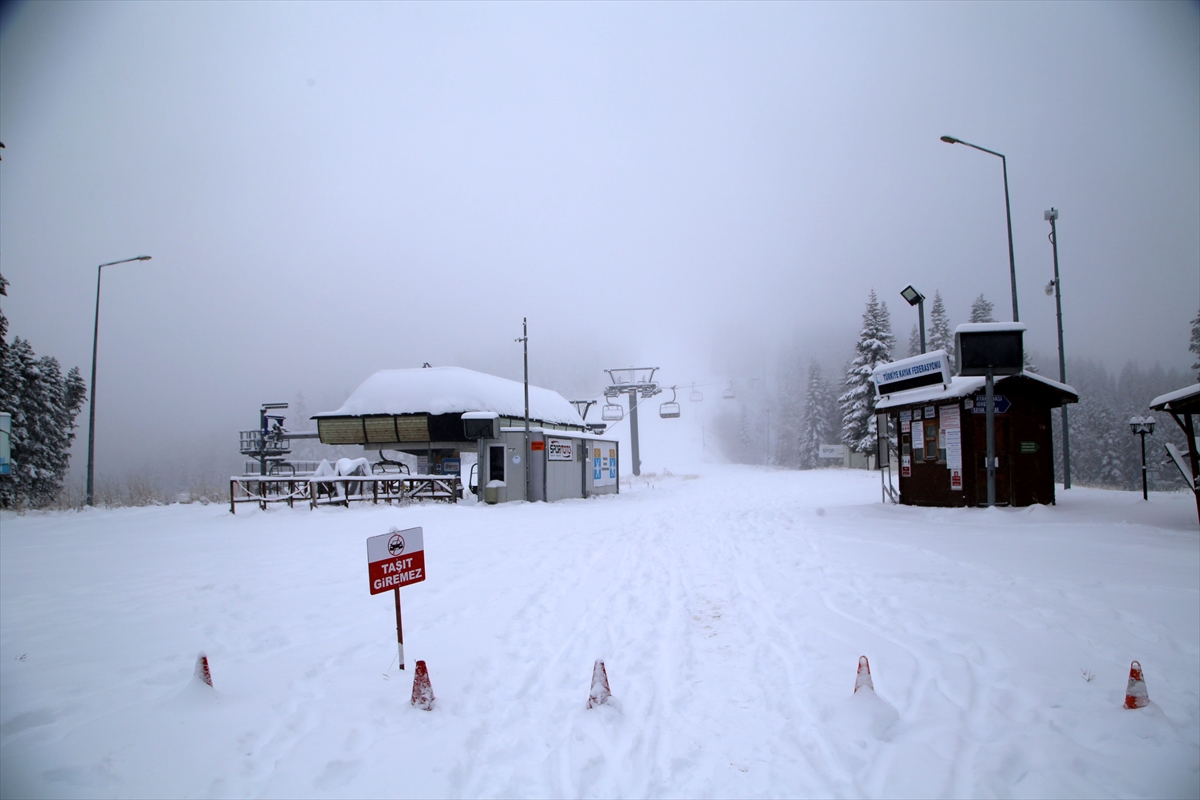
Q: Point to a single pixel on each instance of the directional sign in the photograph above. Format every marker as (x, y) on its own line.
(395, 559)
(1002, 404)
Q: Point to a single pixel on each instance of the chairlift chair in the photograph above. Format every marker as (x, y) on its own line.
(728, 393)
(611, 412)
(696, 396)
(669, 410)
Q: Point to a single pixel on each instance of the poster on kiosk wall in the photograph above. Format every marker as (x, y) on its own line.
(604, 463)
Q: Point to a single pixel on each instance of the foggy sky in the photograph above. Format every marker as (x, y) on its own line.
(332, 189)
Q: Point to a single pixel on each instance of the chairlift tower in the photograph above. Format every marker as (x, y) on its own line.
(270, 442)
(632, 381)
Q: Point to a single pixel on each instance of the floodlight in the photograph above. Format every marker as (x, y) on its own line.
(272, 406)
(912, 295)
(1051, 215)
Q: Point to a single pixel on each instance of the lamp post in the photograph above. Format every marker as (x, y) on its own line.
(1012, 264)
(524, 340)
(1140, 426)
(1056, 285)
(92, 396)
(915, 298)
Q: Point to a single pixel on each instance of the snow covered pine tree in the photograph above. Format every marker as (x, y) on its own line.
(941, 337)
(43, 403)
(874, 347)
(816, 427)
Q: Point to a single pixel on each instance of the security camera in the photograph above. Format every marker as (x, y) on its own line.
(1050, 289)
(1051, 215)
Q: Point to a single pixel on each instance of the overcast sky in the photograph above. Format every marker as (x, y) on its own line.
(332, 189)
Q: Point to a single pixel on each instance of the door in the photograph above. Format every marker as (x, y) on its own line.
(1004, 466)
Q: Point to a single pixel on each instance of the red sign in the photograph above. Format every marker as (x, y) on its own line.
(395, 559)
(537, 445)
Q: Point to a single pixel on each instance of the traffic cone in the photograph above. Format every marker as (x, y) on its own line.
(422, 696)
(863, 679)
(1136, 695)
(202, 672)
(600, 692)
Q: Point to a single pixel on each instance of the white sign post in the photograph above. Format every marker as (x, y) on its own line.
(395, 559)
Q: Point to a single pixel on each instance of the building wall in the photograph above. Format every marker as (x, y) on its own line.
(1024, 449)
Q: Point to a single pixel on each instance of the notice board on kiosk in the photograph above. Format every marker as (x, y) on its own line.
(998, 345)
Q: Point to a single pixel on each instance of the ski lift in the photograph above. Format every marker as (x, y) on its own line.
(611, 412)
(728, 393)
(696, 396)
(669, 410)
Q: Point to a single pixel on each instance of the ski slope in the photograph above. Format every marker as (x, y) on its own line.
(730, 607)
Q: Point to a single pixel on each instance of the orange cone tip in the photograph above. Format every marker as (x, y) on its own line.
(863, 679)
(600, 692)
(422, 696)
(202, 671)
(1136, 695)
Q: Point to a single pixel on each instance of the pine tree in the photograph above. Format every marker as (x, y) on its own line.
(819, 409)
(982, 310)
(1194, 347)
(940, 335)
(874, 347)
(789, 398)
(914, 342)
(43, 404)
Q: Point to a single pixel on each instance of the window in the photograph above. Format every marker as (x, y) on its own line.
(496, 463)
(931, 439)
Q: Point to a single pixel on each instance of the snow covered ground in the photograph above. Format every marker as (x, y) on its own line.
(730, 607)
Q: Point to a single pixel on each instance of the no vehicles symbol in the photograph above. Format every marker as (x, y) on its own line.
(396, 544)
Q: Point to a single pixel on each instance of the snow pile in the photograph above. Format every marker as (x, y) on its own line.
(730, 610)
(449, 390)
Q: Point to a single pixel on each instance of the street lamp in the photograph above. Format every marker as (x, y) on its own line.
(92, 398)
(1140, 426)
(1012, 264)
(1056, 286)
(915, 298)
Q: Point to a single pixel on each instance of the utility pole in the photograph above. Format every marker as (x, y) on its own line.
(1052, 217)
(524, 340)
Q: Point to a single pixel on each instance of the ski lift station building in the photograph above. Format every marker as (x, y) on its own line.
(442, 413)
(942, 433)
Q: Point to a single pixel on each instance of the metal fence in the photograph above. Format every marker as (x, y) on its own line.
(342, 490)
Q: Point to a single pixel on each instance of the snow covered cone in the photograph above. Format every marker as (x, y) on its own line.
(202, 672)
(422, 696)
(863, 679)
(600, 691)
(1136, 695)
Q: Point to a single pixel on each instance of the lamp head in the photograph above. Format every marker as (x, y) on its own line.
(911, 295)
(949, 140)
(142, 258)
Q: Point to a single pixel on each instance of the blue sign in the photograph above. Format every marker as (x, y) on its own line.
(1001, 403)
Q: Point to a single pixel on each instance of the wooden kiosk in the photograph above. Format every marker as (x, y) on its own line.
(941, 422)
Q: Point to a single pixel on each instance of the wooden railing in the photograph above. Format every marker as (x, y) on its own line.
(342, 490)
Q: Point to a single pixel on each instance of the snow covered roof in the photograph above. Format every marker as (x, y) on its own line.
(961, 387)
(1189, 392)
(983, 327)
(452, 390)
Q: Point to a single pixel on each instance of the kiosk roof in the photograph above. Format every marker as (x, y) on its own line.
(451, 390)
